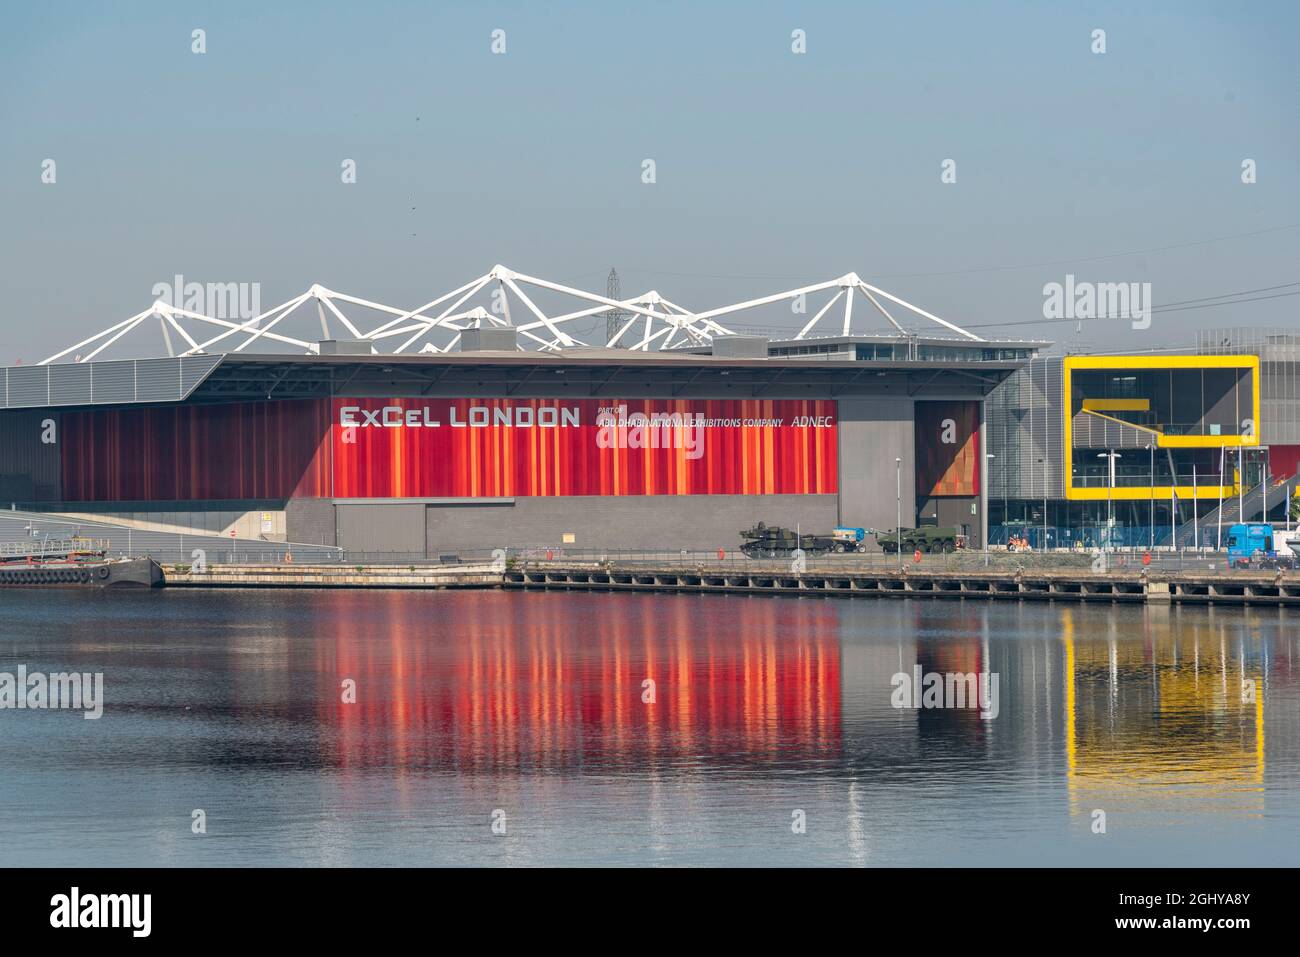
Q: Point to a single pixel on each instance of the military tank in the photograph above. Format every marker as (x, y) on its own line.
(773, 541)
(925, 539)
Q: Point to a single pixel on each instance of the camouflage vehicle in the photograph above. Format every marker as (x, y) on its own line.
(773, 541)
(925, 539)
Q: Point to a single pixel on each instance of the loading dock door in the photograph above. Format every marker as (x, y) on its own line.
(382, 527)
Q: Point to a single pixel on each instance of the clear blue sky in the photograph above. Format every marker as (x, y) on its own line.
(772, 168)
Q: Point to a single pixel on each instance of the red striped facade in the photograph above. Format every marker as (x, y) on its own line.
(742, 447)
(458, 448)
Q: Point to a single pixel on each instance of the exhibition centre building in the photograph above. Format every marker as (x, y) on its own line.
(675, 433)
(475, 449)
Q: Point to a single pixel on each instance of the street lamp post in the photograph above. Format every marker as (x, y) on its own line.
(1043, 463)
(1263, 482)
(1112, 455)
(1196, 512)
(1223, 465)
(898, 469)
(989, 457)
(1152, 511)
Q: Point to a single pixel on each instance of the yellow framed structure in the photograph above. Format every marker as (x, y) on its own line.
(1251, 439)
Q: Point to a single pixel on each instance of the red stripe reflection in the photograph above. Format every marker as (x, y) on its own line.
(528, 690)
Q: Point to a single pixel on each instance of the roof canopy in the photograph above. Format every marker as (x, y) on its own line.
(644, 323)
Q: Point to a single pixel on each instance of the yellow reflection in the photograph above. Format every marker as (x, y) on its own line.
(1165, 736)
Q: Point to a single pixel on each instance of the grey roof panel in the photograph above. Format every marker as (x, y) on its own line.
(69, 383)
(112, 382)
(100, 383)
(194, 369)
(27, 386)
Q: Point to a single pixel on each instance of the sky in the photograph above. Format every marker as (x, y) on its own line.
(772, 168)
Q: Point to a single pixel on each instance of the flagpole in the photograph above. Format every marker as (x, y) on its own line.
(1223, 451)
(1241, 484)
(1264, 486)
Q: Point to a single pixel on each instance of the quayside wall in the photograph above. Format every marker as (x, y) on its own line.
(777, 578)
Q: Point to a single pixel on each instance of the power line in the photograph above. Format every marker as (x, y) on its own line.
(1158, 309)
(1244, 292)
(1087, 259)
(984, 269)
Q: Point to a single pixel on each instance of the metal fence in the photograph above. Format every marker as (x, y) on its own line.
(1126, 548)
(1089, 537)
(1117, 560)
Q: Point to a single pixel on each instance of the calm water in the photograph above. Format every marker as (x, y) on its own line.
(470, 703)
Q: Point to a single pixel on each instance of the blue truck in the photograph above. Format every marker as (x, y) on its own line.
(1259, 545)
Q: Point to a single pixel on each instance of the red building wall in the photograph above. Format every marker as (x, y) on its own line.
(1283, 460)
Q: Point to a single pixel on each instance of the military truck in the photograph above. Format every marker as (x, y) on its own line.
(926, 539)
(773, 541)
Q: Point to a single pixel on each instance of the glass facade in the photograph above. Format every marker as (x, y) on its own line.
(1181, 436)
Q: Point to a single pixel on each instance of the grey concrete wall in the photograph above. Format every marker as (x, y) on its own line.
(693, 522)
(953, 511)
(310, 521)
(874, 432)
(381, 528)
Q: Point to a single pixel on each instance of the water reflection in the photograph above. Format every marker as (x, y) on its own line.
(1174, 713)
(561, 685)
(469, 701)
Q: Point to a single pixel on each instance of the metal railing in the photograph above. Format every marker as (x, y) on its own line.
(46, 548)
(1090, 537)
(1145, 479)
(1121, 560)
(1125, 547)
